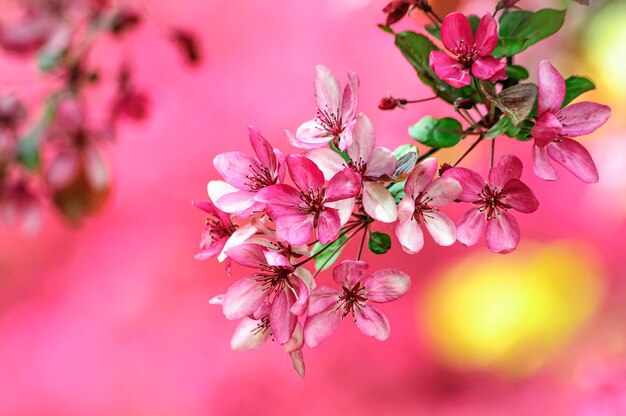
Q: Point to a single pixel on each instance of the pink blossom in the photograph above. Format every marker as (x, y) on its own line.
(492, 200)
(297, 212)
(370, 163)
(555, 126)
(276, 291)
(328, 306)
(472, 54)
(336, 113)
(244, 176)
(220, 233)
(422, 197)
(19, 205)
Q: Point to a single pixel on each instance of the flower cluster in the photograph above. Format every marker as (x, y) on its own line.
(56, 157)
(288, 217)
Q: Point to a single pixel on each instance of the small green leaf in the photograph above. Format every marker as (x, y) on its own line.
(445, 132)
(521, 29)
(576, 86)
(517, 72)
(502, 127)
(387, 29)
(379, 243)
(326, 259)
(397, 190)
(526, 129)
(404, 149)
(28, 152)
(434, 30)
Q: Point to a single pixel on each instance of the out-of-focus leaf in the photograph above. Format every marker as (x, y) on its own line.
(502, 127)
(576, 86)
(521, 29)
(517, 72)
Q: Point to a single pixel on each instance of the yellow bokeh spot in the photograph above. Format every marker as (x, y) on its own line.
(511, 313)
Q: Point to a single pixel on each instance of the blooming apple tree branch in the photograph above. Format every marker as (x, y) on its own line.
(288, 217)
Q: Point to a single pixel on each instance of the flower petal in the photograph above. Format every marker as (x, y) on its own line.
(378, 202)
(486, 35)
(372, 323)
(363, 140)
(344, 207)
(350, 97)
(243, 298)
(470, 181)
(583, 118)
(503, 233)
(282, 321)
(421, 176)
(470, 227)
(386, 285)
(294, 229)
(310, 135)
(297, 360)
(449, 70)
(305, 174)
(456, 30)
(262, 148)
(443, 191)
(327, 89)
(241, 235)
(489, 68)
(328, 226)
(321, 299)
(509, 167)
(349, 272)
(441, 228)
(575, 158)
(280, 199)
(318, 327)
(382, 162)
(542, 167)
(327, 160)
(301, 305)
(519, 196)
(247, 335)
(235, 167)
(236, 202)
(546, 129)
(250, 255)
(406, 208)
(410, 236)
(346, 184)
(551, 88)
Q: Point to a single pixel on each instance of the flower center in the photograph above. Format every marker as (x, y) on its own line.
(422, 208)
(313, 203)
(491, 202)
(260, 178)
(330, 121)
(465, 55)
(216, 229)
(351, 299)
(358, 166)
(274, 279)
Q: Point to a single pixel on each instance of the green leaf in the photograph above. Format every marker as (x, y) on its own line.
(330, 254)
(521, 29)
(387, 29)
(516, 72)
(525, 131)
(502, 127)
(404, 149)
(416, 48)
(28, 154)
(379, 243)
(397, 190)
(342, 153)
(445, 132)
(576, 86)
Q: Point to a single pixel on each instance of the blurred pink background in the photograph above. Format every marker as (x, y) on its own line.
(113, 317)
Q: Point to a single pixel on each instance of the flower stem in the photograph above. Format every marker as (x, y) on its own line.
(468, 151)
(331, 256)
(365, 230)
(493, 150)
(428, 153)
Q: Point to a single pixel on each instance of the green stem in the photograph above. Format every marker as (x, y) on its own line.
(331, 256)
(427, 154)
(468, 151)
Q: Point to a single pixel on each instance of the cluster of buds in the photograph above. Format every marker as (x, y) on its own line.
(288, 217)
(56, 158)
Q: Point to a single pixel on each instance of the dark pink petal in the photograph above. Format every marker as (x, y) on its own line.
(240, 236)
(250, 255)
(489, 68)
(345, 137)
(421, 176)
(575, 158)
(327, 89)
(441, 228)
(410, 236)
(235, 167)
(346, 184)
(328, 226)
(583, 118)
(519, 196)
(509, 167)
(470, 181)
(443, 191)
(282, 321)
(329, 161)
(363, 140)
(382, 162)
(281, 199)
(551, 88)
(546, 129)
(310, 135)
(305, 174)
(318, 327)
(449, 70)
(344, 207)
(208, 207)
(372, 323)
(455, 31)
(503, 233)
(295, 229)
(243, 298)
(209, 247)
(247, 336)
(349, 272)
(275, 259)
(542, 167)
(63, 169)
(350, 98)
(486, 35)
(302, 304)
(470, 227)
(386, 285)
(321, 299)
(406, 208)
(378, 202)
(262, 148)
(236, 202)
